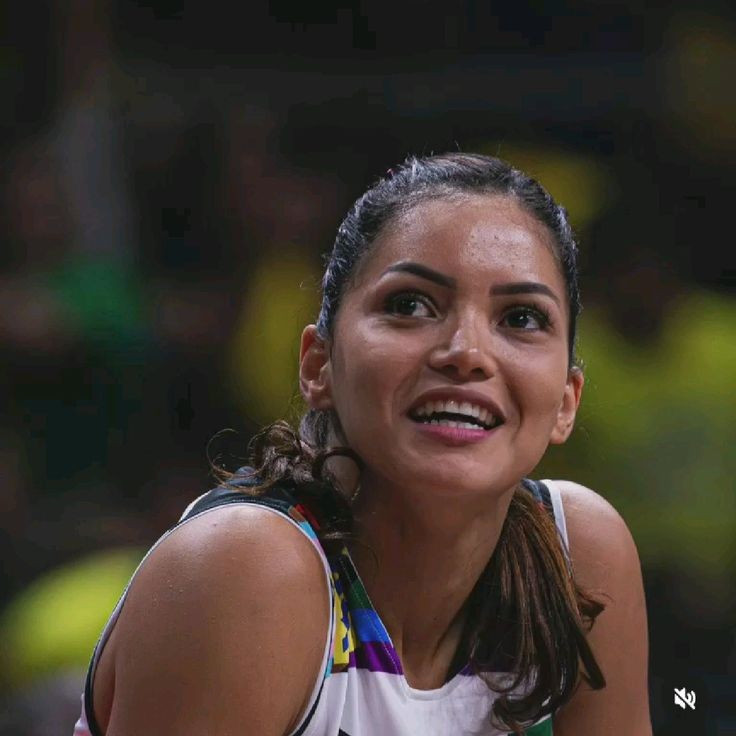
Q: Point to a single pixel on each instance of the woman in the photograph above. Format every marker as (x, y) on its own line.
(412, 581)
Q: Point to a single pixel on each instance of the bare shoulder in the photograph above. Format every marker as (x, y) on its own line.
(211, 618)
(606, 564)
(583, 504)
(599, 539)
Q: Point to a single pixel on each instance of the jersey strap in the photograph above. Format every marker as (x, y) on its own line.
(541, 493)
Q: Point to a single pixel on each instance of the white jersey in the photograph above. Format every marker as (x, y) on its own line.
(361, 690)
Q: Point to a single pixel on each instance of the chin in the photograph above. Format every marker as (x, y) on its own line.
(454, 480)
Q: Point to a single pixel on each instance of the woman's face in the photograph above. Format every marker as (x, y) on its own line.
(448, 367)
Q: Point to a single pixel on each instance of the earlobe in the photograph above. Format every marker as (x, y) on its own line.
(568, 408)
(314, 370)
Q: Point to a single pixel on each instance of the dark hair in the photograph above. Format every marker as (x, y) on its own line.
(527, 580)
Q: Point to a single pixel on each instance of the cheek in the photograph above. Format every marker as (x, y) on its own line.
(370, 368)
(540, 386)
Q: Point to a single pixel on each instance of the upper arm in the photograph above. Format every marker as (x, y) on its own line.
(606, 564)
(223, 631)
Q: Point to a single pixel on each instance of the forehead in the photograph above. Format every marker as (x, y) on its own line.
(472, 236)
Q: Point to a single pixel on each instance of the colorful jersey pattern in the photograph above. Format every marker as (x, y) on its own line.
(362, 690)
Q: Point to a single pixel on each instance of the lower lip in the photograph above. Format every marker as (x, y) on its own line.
(455, 436)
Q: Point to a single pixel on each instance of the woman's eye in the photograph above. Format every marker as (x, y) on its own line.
(526, 318)
(409, 305)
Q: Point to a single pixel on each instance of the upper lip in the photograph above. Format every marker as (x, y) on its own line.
(459, 395)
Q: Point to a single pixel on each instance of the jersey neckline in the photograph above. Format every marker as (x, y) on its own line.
(377, 651)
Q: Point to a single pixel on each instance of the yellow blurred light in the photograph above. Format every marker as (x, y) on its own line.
(579, 183)
(698, 71)
(282, 298)
(54, 623)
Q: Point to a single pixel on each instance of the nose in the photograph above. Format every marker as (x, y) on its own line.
(467, 352)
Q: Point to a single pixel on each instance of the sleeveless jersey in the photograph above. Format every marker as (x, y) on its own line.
(361, 690)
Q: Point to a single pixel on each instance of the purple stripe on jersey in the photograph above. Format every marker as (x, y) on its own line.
(375, 657)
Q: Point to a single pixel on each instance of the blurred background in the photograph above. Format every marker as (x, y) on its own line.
(171, 172)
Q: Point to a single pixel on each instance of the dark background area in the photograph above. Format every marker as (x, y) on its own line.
(172, 172)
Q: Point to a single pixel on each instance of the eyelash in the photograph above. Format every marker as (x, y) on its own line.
(391, 301)
(540, 313)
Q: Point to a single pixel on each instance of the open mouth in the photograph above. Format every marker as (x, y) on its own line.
(456, 419)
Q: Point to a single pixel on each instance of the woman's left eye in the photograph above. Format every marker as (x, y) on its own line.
(526, 318)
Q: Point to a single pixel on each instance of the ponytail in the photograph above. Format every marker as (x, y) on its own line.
(529, 614)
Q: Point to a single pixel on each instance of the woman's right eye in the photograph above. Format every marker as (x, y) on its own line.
(408, 304)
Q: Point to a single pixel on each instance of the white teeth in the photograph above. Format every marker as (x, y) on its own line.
(455, 407)
(451, 423)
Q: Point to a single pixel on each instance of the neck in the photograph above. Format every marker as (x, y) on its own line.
(419, 562)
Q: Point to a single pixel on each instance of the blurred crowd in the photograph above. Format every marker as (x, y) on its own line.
(162, 224)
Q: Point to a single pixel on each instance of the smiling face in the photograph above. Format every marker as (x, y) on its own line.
(459, 300)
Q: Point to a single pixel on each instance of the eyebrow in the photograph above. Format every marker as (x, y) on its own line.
(425, 272)
(524, 287)
(519, 287)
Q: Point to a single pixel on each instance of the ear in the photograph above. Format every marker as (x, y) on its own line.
(569, 407)
(315, 379)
